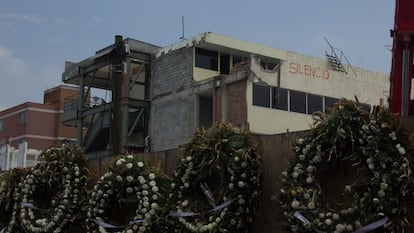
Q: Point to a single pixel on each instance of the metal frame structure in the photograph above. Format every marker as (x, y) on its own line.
(106, 129)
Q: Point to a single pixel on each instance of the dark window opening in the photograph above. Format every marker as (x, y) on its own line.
(205, 112)
(315, 103)
(261, 95)
(239, 59)
(297, 101)
(267, 65)
(329, 104)
(271, 65)
(225, 64)
(206, 59)
(280, 98)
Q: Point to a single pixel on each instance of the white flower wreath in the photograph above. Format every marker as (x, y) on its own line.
(226, 159)
(9, 182)
(60, 175)
(349, 133)
(127, 178)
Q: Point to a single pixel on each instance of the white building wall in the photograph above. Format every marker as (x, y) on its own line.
(310, 75)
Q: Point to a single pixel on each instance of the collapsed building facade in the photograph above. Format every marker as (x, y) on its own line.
(160, 95)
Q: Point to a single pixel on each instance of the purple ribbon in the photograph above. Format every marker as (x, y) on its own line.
(305, 221)
(2, 230)
(372, 226)
(107, 225)
(31, 206)
(364, 229)
(189, 214)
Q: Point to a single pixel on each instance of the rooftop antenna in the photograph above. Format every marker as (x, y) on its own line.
(182, 27)
(335, 61)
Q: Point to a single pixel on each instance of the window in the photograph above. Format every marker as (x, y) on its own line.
(297, 101)
(239, 59)
(205, 112)
(206, 59)
(261, 95)
(280, 98)
(329, 104)
(268, 65)
(315, 103)
(1, 124)
(225, 64)
(23, 118)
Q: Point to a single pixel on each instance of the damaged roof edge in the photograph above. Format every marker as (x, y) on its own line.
(225, 41)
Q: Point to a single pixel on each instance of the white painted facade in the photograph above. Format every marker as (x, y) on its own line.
(298, 72)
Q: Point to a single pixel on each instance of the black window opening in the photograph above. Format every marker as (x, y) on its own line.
(267, 65)
(205, 112)
(280, 98)
(297, 101)
(239, 59)
(206, 59)
(330, 104)
(294, 101)
(261, 95)
(315, 103)
(225, 64)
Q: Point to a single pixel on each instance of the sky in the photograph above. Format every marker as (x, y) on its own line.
(37, 37)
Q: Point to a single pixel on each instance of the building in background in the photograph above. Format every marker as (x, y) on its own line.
(37, 124)
(164, 94)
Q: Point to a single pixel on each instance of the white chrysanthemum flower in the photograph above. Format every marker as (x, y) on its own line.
(130, 179)
(393, 136)
(295, 204)
(401, 149)
(328, 221)
(311, 205)
(130, 156)
(129, 165)
(154, 205)
(119, 178)
(151, 176)
(140, 164)
(371, 166)
(129, 190)
(152, 183)
(240, 184)
(339, 227)
(185, 203)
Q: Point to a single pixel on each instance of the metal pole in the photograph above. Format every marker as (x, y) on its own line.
(116, 99)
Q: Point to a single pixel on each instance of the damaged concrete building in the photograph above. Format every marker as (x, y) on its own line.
(162, 94)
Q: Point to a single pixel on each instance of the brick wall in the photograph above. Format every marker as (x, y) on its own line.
(236, 103)
(172, 107)
(172, 72)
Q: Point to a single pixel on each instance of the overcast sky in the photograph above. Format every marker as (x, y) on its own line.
(37, 37)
